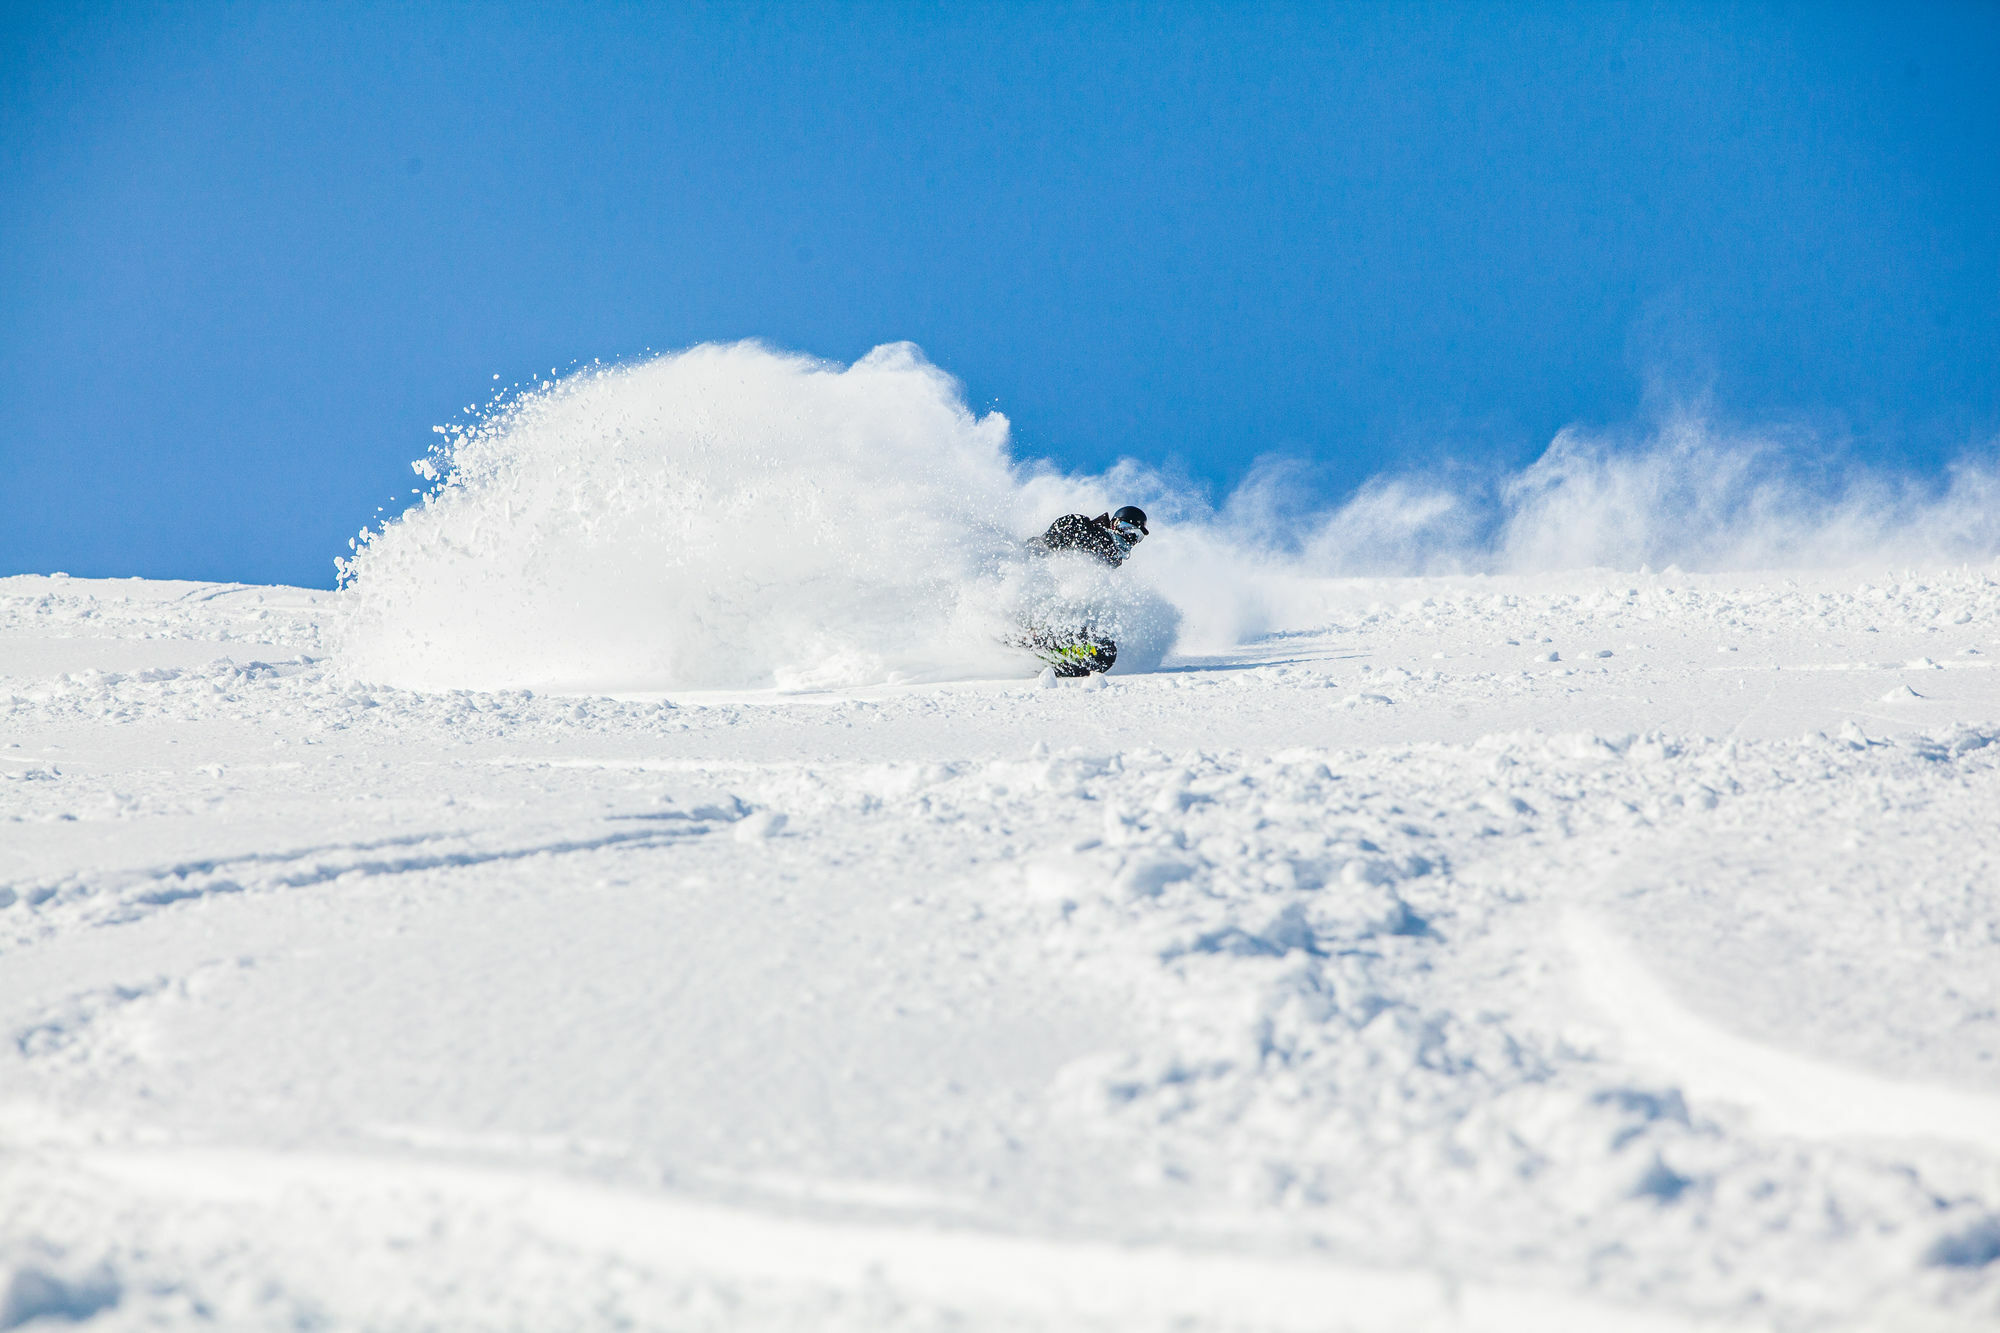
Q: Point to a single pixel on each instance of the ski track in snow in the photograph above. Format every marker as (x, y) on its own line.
(1801, 1097)
(1573, 951)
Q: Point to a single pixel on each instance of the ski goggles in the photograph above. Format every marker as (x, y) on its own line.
(1129, 530)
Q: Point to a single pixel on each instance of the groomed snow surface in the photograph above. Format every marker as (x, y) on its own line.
(1578, 951)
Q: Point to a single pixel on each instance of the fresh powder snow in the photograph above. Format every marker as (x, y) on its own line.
(650, 894)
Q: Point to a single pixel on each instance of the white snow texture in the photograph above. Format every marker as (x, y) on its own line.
(650, 895)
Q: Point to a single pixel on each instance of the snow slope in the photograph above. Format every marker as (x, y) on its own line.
(1567, 951)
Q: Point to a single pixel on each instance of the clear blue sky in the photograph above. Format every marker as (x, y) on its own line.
(250, 253)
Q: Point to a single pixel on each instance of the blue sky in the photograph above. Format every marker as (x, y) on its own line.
(250, 254)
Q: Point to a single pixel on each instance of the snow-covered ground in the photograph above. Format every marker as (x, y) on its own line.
(1586, 951)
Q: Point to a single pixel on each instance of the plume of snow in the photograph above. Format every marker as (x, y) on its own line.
(738, 517)
(728, 516)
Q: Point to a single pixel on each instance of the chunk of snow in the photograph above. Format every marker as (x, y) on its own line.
(758, 825)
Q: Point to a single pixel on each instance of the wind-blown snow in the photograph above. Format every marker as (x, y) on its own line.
(1690, 494)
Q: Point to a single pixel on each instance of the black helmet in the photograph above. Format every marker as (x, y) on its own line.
(1129, 517)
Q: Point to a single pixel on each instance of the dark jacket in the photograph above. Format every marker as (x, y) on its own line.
(1092, 536)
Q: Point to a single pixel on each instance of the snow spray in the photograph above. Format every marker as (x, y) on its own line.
(733, 516)
(728, 517)
(1688, 492)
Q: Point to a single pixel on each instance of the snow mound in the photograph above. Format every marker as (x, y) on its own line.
(725, 517)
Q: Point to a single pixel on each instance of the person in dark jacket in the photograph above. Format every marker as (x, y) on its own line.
(1108, 537)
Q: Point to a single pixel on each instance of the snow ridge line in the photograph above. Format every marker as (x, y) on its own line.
(1795, 1094)
(968, 1270)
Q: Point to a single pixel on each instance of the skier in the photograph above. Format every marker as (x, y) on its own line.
(1108, 538)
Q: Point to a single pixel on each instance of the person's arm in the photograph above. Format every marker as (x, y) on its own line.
(1066, 533)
